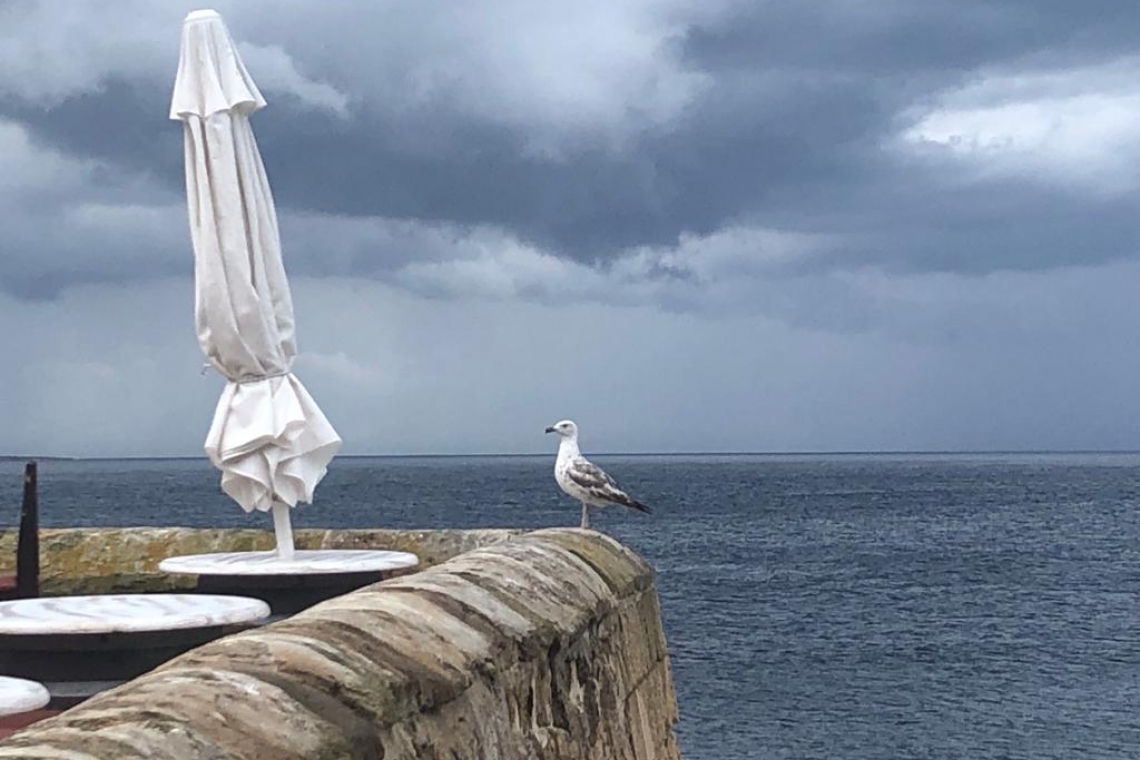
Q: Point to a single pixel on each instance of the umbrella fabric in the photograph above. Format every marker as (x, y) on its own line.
(269, 438)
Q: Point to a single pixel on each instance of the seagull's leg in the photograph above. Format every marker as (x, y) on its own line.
(585, 515)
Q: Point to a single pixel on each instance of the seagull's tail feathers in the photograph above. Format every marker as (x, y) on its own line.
(628, 501)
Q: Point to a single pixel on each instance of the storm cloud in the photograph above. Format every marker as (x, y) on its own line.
(869, 224)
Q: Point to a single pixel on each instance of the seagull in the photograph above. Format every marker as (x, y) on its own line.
(582, 480)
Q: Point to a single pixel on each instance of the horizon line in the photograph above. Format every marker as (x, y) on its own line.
(491, 455)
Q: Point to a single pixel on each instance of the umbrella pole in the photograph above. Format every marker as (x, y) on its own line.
(283, 528)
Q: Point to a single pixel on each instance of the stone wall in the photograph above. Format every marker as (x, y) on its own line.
(548, 646)
(106, 560)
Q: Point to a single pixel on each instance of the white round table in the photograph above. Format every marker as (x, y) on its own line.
(126, 613)
(18, 695)
(290, 585)
(303, 562)
(80, 645)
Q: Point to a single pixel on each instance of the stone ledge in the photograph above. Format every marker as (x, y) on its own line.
(108, 560)
(547, 646)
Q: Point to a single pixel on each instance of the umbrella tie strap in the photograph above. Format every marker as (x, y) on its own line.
(245, 380)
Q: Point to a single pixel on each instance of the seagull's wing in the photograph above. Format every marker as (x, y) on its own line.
(590, 476)
(595, 480)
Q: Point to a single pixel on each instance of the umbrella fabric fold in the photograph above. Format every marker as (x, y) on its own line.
(269, 438)
(211, 76)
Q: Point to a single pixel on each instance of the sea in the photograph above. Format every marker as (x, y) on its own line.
(867, 607)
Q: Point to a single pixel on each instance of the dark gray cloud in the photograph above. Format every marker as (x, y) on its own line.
(902, 41)
(842, 224)
(786, 119)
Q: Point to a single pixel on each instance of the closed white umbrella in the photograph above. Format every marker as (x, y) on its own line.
(269, 438)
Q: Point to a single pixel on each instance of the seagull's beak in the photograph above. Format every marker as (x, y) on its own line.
(550, 430)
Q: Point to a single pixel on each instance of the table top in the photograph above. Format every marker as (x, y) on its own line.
(304, 562)
(19, 696)
(126, 613)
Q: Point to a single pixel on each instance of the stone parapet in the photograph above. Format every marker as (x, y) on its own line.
(548, 646)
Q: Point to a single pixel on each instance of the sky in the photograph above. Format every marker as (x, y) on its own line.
(689, 225)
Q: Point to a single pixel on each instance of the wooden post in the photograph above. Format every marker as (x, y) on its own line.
(28, 543)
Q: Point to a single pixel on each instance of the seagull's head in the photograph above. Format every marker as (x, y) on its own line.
(565, 429)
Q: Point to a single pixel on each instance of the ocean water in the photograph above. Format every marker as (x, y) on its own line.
(876, 607)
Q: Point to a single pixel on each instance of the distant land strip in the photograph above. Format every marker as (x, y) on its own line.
(6, 458)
